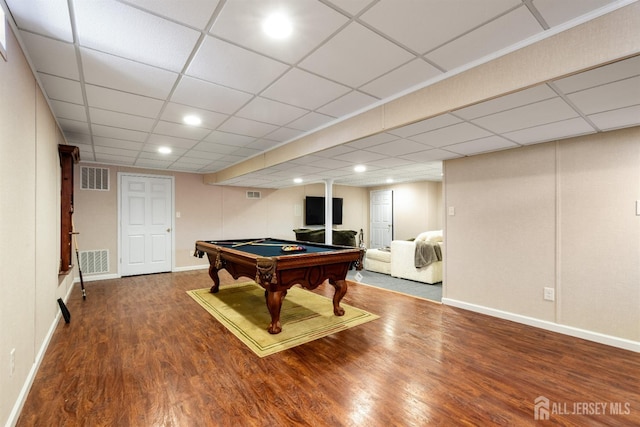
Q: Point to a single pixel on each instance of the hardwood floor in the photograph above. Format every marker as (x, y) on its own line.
(140, 352)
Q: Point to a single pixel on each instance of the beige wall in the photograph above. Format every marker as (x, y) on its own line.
(417, 207)
(30, 227)
(206, 212)
(559, 215)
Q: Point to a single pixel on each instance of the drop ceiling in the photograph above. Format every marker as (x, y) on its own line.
(121, 75)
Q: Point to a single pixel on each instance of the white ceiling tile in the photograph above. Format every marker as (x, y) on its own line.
(79, 129)
(360, 156)
(313, 22)
(551, 131)
(607, 74)
(169, 141)
(284, 134)
(293, 88)
(228, 65)
(118, 133)
(310, 121)
(481, 42)
(108, 99)
(101, 149)
(264, 144)
(47, 17)
(191, 159)
(206, 155)
(352, 6)
(268, 111)
(125, 31)
(62, 89)
(180, 130)
(460, 132)
(557, 12)
(483, 145)
(51, 56)
(350, 102)
(102, 69)
(117, 143)
(176, 112)
(68, 110)
(551, 110)
(195, 13)
(209, 96)
(231, 139)
(507, 102)
(117, 160)
(615, 119)
(153, 164)
(391, 162)
(612, 96)
(126, 121)
(246, 127)
(355, 56)
(425, 125)
(402, 79)
(423, 25)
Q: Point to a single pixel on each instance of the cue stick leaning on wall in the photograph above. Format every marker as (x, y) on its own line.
(75, 242)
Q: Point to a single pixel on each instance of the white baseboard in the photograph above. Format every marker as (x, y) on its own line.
(96, 277)
(26, 387)
(191, 267)
(549, 326)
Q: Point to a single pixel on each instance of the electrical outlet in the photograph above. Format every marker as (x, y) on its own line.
(12, 362)
(549, 294)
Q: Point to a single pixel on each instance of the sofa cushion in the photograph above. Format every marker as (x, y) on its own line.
(434, 236)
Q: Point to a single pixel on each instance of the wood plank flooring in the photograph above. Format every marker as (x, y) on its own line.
(140, 352)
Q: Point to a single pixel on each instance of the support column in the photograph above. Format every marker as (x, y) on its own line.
(328, 211)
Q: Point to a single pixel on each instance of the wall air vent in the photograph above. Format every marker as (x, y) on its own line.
(94, 261)
(94, 178)
(253, 195)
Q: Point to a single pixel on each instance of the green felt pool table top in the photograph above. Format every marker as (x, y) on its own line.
(269, 247)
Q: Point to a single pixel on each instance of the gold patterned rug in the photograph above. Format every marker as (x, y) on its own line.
(305, 316)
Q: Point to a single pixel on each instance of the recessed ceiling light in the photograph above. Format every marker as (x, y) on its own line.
(277, 25)
(192, 120)
(297, 180)
(164, 150)
(389, 180)
(360, 168)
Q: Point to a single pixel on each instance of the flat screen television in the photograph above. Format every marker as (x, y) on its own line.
(314, 210)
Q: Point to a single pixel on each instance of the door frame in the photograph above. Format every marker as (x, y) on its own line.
(392, 214)
(172, 213)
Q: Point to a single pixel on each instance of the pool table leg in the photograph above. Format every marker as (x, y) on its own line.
(341, 290)
(274, 303)
(213, 273)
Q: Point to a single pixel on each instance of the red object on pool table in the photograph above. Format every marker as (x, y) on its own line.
(277, 270)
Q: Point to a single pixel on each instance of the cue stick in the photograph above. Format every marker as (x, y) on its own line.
(75, 242)
(247, 243)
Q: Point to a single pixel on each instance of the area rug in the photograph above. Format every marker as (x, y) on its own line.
(305, 316)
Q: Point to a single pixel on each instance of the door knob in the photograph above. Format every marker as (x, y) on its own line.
(168, 230)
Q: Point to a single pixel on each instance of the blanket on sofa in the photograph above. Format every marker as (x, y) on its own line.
(426, 253)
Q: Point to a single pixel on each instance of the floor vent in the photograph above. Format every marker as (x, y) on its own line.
(94, 178)
(94, 261)
(253, 195)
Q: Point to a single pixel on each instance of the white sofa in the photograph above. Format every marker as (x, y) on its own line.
(403, 258)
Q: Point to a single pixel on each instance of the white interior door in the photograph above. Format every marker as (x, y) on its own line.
(146, 213)
(381, 212)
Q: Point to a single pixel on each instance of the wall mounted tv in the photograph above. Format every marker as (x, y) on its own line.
(314, 210)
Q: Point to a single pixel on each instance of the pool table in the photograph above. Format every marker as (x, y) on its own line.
(277, 270)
